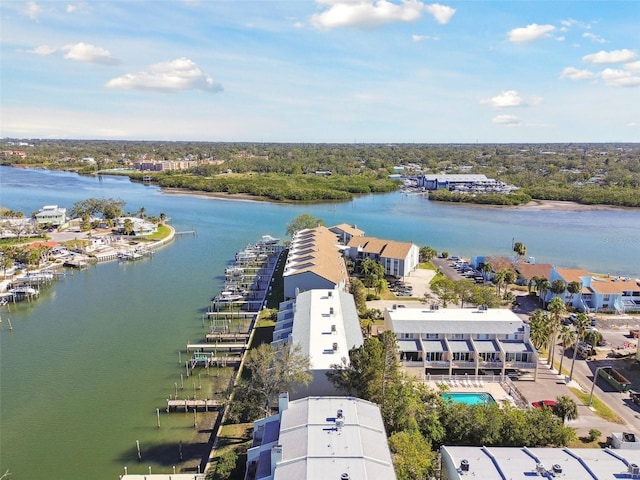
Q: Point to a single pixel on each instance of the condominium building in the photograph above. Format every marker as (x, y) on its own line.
(455, 340)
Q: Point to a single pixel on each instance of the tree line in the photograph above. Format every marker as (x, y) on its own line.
(606, 174)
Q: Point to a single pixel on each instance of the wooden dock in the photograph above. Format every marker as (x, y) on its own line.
(227, 337)
(206, 405)
(209, 347)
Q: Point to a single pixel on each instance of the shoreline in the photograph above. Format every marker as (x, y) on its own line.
(560, 205)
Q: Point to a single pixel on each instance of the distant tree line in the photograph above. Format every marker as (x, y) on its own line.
(607, 174)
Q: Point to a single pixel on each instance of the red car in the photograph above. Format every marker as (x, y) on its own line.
(544, 403)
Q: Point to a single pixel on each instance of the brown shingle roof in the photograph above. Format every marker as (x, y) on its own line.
(572, 274)
(530, 270)
(384, 248)
(615, 285)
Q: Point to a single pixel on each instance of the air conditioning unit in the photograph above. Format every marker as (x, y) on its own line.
(634, 469)
(464, 465)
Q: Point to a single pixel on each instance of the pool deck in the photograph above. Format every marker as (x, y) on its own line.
(493, 388)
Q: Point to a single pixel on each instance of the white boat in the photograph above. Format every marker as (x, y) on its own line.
(24, 290)
(268, 240)
(227, 296)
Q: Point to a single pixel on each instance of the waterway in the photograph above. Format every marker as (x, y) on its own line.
(87, 364)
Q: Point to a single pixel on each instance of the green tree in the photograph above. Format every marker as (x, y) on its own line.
(566, 408)
(7, 259)
(275, 370)
(372, 271)
(539, 328)
(567, 337)
(558, 287)
(444, 289)
(580, 324)
(556, 308)
(413, 458)
(302, 222)
(427, 253)
(225, 465)
(359, 292)
(574, 288)
(520, 249)
(464, 290)
(128, 226)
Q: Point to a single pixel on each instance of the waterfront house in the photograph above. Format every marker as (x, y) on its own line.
(325, 324)
(318, 438)
(399, 259)
(51, 215)
(314, 261)
(140, 226)
(611, 293)
(346, 232)
(461, 340)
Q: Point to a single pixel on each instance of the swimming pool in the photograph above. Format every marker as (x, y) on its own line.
(474, 398)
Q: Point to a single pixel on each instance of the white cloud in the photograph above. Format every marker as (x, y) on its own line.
(508, 120)
(174, 76)
(593, 37)
(420, 38)
(373, 13)
(632, 66)
(613, 56)
(575, 74)
(43, 50)
(441, 13)
(530, 33)
(619, 78)
(33, 10)
(506, 99)
(298, 25)
(87, 53)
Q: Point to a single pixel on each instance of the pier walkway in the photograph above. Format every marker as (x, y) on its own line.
(206, 404)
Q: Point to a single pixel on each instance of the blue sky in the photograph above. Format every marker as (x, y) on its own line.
(321, 71)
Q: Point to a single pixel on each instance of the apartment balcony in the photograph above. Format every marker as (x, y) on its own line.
(437, 364)
(463, 364)
(490, 365)
(412, 363)
(521, 365)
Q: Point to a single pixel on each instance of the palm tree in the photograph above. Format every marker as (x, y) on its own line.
(566, 408)
(486, 270)
(567, 337)
(556, 308)
(558, 287)
(539, 328)
(574, 287)
(499, 278)
(520, 249)
(543, 286)
(580, 324)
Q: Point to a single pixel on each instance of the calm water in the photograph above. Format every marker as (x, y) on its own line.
(87, 364)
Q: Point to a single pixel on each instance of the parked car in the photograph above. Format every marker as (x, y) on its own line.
(544, 404)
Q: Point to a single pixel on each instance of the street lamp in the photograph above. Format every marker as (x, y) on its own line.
(595, 378)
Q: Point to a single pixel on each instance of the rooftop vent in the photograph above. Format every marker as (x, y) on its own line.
(335, 347)
(330, 294)
(557, 468)
(634, 469)
(339, 414)
(330, 310)
(345, 476)
(333, 329)
(464, 465)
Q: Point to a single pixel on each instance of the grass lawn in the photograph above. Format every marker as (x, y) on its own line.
(162, 232)
(600, 408)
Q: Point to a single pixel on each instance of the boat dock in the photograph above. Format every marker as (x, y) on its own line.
(205, 405)
(209, 347)
(227, 337)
